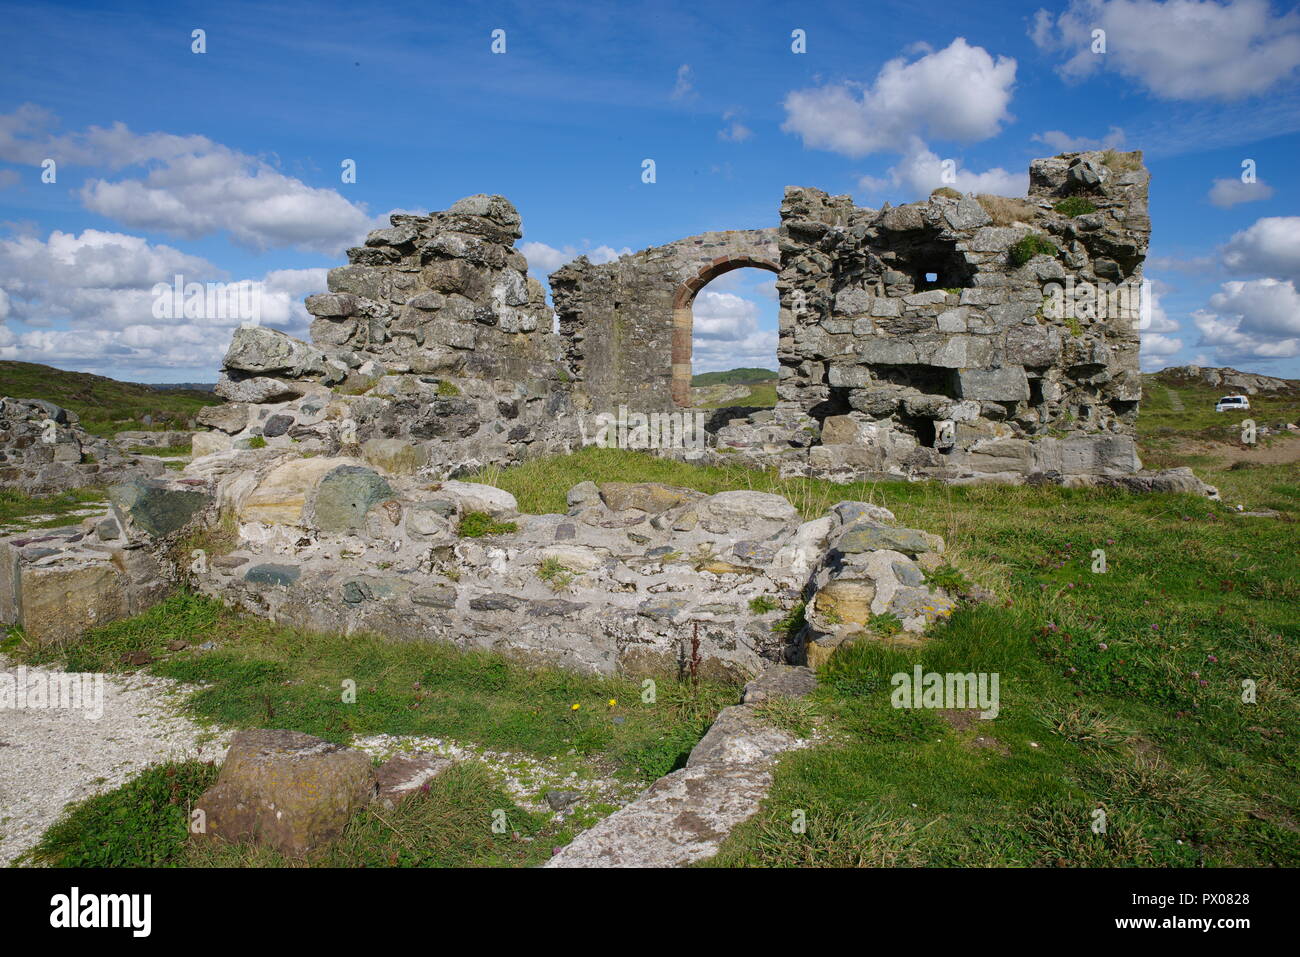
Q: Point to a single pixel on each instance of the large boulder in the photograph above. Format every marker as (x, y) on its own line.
(258, 349)
(395, 456)
(287, 790)
(281, 497)
(57, 603)
(471, 497)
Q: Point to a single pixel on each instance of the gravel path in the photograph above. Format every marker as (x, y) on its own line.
(50, 757)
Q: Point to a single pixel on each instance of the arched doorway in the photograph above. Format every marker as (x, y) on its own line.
(684, 317)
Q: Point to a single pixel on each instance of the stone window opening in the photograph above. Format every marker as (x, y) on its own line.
(932, 263)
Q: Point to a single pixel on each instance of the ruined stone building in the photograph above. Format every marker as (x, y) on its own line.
(963, 338)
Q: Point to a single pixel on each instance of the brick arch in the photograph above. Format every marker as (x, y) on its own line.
(684, 317)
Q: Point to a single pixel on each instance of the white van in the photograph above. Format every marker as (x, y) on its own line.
(1231, 403)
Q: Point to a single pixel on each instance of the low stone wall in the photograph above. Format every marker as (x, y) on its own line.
(56, 584)
(44, 450)
(632, 579)
(918, 341)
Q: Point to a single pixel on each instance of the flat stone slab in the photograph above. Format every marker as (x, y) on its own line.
(780, 681)
(404, 774)
(683, 818)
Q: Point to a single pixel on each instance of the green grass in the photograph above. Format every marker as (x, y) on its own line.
(1075, 206)
(104, 405)
(481, 524)
(143, 823)
(745, 376)
(267, 675)
(554, 573)
(165, 451)
(1194, 601)
(14, 505)
(1030, 246)
(1197, 419)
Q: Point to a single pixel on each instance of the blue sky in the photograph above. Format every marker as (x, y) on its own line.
(225, 165)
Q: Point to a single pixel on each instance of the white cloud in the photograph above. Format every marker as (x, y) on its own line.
(193, 186)
(1270, 246)
(1180, 49)
(1229, 192)
(726, 334)
(1064, 143)
(723, 315)
(89, 299)
(920, 172)
(97, 276)
(683, 88)
(735, 131)
(1254, 319)
(544, 259)
(1157, 345)
(958, 93)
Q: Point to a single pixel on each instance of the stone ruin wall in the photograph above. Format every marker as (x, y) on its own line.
(627, 324)
(44, 450)
(912, 342)
(914, 338)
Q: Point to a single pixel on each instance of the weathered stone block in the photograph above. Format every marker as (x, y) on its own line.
(999, 384)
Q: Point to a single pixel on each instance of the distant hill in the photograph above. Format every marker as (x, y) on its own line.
(182, 386)
(734, 377)
(105, 405)
(1227, 379)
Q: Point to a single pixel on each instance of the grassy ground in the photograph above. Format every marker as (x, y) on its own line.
(266, 675)
(145, 823)
(104, 405)
(711, 390)
(1120, 690)
(1178, 425)
(15, 506)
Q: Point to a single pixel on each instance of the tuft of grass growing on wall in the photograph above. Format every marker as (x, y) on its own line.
(1122, 162)
(1075, 206)
(1028, 247)
(556, 574)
